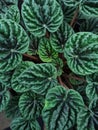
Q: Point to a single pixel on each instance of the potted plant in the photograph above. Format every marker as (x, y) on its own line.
(49, 64)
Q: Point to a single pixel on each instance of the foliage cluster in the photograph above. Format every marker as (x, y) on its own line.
(49, 64)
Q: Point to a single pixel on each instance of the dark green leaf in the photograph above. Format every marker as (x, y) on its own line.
(20, 85)
(40, 16)
(13, 43)
(36, 77)
(31, 105)
(4, 97)
(12, 109)
(22, 124)
(61, 36)
(88, 117)
(92, 86)
(81, 53)
(61, 107)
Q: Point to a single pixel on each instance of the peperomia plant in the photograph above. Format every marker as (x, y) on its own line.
(49, 64)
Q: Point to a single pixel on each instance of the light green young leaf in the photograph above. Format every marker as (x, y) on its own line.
(61, 108)
(40, 16)
(46, 51)
(81, 53)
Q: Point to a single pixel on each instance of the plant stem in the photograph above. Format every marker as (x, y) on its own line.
(33, 58)
(61, 82)
(74, 17)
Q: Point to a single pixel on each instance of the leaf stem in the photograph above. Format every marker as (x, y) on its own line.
(61, 82)
(74, 17)
(33, 58)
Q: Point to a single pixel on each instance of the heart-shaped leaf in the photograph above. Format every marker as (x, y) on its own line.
(88, 117)
(13, 43)
(61, 36)
(46, 51)
(37, 77)
(40, 16)
(61, 107)
(31, 105)
(22, 124)
(81, 53)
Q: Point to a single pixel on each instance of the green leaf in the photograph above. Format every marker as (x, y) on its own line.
(61, 36)
(88, 117)
(81, 53)
(33, 47)
(61, 108)
(89, 25)
(4, 97)
(45, 50)
(12, 109)
(5, 78)
(20, 85)
(22, 124)
(58, 63)
(13, 14)
(13, 43)
(89, 8)
(40, 16)
(36, 77)
(92, 86)
(71, 2)
(31, 105)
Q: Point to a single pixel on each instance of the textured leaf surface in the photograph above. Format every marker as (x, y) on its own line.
(58, 63)
(61, 107)
(71, 2)
(92, 86)
(61, 36)
(31, 105)
(17, 84)
(88, 118)
(89, 25)
(13, 14)
(46, 51)
(38, 78)
(90, 8)
(5, 78)
(4, 97)
(33, 47)
(40, 16)
(22, 124)
(81, 53)
(13, 43)
(12, 109)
